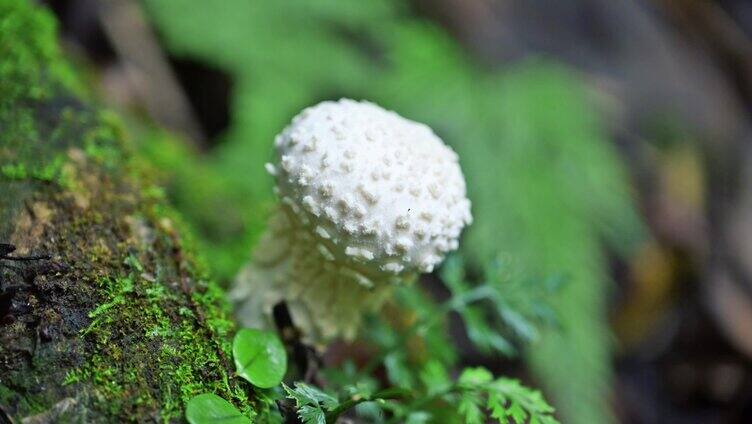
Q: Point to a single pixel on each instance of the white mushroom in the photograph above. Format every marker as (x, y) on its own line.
(368, 199)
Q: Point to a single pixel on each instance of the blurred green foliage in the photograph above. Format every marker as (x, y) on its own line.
(546, 187)
(225, 216)
(514, 307)
(501, 311)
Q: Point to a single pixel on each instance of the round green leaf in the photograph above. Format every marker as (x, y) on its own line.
(259, 357)
(209, 408)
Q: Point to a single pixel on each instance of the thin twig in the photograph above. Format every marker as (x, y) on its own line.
(147, 68)
(390, 393)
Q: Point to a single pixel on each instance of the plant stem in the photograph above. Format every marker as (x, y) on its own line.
(390, 393)
(418, 403)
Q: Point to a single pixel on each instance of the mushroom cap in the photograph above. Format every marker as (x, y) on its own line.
(378, 192)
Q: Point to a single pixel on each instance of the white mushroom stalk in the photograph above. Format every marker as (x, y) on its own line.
(368, 200)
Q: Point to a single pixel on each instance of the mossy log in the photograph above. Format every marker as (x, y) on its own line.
(120, 323)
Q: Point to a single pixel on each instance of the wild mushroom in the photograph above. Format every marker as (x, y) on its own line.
(368, 200)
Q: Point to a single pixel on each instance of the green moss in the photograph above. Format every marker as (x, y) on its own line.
(103, 143)
(31, 403)
(160, 329)
(226, 220)
(177, 335)
(31, 70)
(14, 171)
(52, 171)
(168, 346)
(138, 327)
(31, 60)
(6, 395)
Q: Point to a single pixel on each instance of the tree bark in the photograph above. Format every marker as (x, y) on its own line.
(121, 323)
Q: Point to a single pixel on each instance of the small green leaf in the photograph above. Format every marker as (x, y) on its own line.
(398, 370)
(434, 377)
(469, 408)
(259, 357)
(305, 394)
(209, 408)
(311, 414)
(309, 400)
(475, 376)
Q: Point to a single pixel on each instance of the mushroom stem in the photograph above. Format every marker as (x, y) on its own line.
(325, 300)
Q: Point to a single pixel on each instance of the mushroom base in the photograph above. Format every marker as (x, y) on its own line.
(325, 300)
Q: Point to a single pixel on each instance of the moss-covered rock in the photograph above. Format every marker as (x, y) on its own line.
(122, 323)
